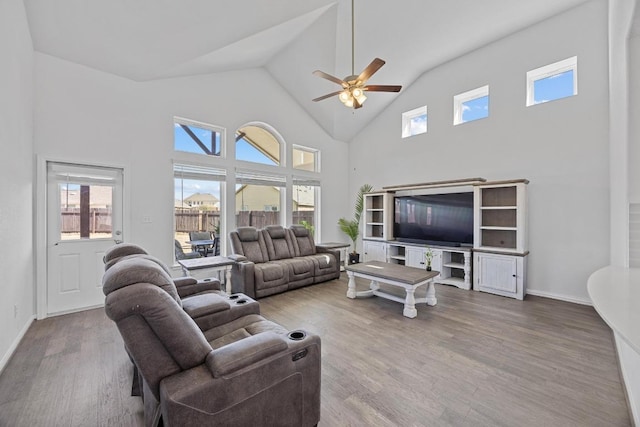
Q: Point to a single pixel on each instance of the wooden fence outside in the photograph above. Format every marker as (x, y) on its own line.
(208, 221)
(100, 220)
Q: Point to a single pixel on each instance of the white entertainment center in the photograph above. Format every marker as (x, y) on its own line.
(499, 250)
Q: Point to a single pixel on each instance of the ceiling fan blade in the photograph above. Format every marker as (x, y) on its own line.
(330, 78)
(329, 95)
(370, 70)
(382, 88)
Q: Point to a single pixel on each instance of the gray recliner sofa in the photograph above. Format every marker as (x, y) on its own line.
(203, 300)
(276, 259)
(249, 371)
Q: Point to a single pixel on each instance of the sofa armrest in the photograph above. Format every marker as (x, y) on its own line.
(323, 250)
(243, 278)
(237, 258)
(244, 353)
(187, 286)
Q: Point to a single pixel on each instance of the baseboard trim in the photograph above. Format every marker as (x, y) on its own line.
(559, 297)
(7, 356)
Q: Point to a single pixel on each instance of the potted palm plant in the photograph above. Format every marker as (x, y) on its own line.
(352, 227)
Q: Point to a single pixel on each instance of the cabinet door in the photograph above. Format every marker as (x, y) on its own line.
(497, 272)
(374, 251)
(415, 258)
(436, 260)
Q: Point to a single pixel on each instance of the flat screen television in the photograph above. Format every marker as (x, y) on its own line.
(437, 219)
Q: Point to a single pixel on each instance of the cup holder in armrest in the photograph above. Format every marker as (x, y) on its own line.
(297, 335)
(241, 301)
(235, 296)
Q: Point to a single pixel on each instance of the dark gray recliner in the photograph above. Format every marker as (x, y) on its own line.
(249, 371)
(276, 259)
(203, 300)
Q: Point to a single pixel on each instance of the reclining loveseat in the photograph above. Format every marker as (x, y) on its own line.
(276, 259)
(248, 371)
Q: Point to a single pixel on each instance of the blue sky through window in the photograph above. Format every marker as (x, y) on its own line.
(553, 87)
(184, 142)
(418, 124)
(188, 187)
(475, 109)
(246, 151)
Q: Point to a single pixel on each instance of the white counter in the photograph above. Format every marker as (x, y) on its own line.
(615, 293)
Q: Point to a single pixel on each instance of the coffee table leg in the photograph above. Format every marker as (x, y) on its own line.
(351, 289)
(431, 294)
(410, 304)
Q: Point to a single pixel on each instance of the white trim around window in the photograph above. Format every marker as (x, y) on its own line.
(569, 64)
(462, 98)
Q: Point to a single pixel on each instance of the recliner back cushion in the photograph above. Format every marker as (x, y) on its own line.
(303, 241)
(120, 250)
(277, 243)
(138, 270)
(248, 241)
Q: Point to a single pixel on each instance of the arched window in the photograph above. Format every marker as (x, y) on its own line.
(259, 144)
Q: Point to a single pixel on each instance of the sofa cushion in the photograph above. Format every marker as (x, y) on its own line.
(302, 241)
(248, 234)
(301, 271)
(277, 244)
(248, 241)
(270, 278)
(323, 263)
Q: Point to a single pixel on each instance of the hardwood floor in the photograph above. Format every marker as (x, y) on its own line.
(474, 359)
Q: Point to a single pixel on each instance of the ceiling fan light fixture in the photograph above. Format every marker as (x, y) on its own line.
(359, 95)
(353, 86)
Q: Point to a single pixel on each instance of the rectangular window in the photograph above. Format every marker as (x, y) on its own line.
(305, 203)
(197, 208)
(304, 158)
(258, 198)
(554, 81)
(414, 122)
(198, 138)
(471, 105)
(85, 200)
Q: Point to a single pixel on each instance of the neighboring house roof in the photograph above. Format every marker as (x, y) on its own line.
(100, 196)
(198, 199)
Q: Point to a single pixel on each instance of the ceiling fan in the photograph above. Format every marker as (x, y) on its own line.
(353, 86)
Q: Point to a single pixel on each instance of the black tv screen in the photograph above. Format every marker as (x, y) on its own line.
(444, 219)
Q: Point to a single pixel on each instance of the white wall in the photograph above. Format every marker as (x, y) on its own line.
(83, 115)
(561, 146)
(634, 111)
(16, 176)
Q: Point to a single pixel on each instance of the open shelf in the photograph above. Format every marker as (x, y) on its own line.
(378, 216)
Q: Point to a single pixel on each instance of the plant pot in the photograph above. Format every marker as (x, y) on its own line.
(354, 258)
(428, 268)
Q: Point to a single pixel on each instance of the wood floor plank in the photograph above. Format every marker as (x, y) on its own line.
(474, 359)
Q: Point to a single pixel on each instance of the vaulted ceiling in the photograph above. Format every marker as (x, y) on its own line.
(159, 39)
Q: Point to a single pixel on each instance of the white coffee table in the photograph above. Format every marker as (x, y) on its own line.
(408, 278)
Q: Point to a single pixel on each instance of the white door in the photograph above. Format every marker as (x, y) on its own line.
(84, 219)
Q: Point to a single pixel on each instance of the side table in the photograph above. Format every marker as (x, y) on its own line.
(342, 247)
(202, 268)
